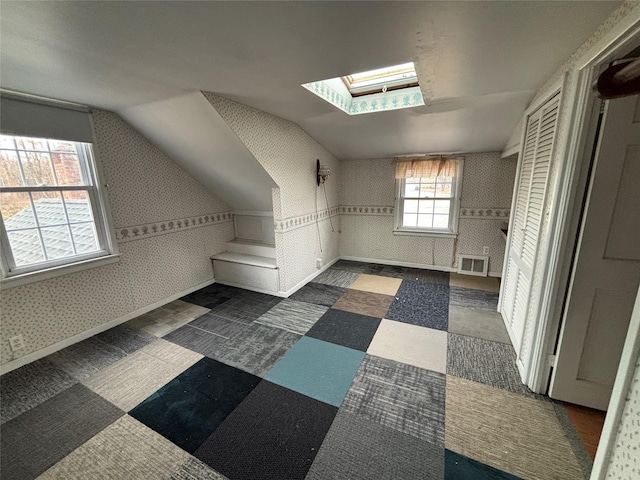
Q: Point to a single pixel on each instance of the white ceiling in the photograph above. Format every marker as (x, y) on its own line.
(479, 63)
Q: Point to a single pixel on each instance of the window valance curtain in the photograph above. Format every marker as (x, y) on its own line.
(421, 167)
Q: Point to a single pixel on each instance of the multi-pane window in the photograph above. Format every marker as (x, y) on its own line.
(428, 204)
(48, 202)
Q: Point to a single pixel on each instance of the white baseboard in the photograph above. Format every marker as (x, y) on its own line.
(43, 352)
(409, 264)
(400, 264)
(301, 284)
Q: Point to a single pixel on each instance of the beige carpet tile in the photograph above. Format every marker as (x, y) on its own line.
(168, 318)
(477, 322)
(194, 469)
(516, 434)
(377, 284)
(124, 450)
(418, 346)
(364, 303)
(129, 381)
(488, 284)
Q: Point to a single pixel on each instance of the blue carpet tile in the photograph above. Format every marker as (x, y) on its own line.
(318, 369)
(191, 406)
(274, 434)
(459, 467)
(423, 304)
(345, 328)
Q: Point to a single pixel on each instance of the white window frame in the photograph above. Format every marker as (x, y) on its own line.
(13, 276)
(454, 209)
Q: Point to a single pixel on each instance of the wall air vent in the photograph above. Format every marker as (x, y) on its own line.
(473, 265)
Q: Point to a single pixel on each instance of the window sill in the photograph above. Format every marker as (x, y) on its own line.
(53, 272)
(423, 233)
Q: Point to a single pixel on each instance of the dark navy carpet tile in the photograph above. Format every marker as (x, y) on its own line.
(190, 407)
(423, 304)
(345, 328)
(319, 294)
(459, 467)
(212, 295)
(467, 297)
(274, 434)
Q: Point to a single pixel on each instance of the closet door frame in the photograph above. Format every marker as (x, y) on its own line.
(530, 342)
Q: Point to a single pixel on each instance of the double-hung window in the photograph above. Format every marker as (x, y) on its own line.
(427, 195)
(52, 213)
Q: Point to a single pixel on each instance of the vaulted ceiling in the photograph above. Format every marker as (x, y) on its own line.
(479, 63)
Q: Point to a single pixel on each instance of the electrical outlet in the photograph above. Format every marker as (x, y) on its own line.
(318, 263)
(16, 343)
(485, 250)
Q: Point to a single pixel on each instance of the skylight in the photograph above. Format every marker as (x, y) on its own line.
(389, 88)
(381, 79)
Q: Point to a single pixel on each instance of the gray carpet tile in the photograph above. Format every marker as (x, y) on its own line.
(274, 434)
(357, 449)
(345, 328)
(394, 271)
(293, 316)
(423, 304)
(358, 267)
(484, 361)
(319, 294)
(258, 349)
(125, 450)
(37, 439)
(478, 322)
(255, 348)
(218, 325)
(194, 469)
(29, 386)
(198, 340)
(86, 358)
(246, 307)
(126, 338)
(467, 297)
(405, 398)
(337, 278)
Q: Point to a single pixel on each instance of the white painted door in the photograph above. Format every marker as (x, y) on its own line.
(528, 209)
(606, 274)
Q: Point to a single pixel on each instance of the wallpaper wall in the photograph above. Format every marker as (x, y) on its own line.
(625, 460)
(289, 155)
(167, 227)
(368, 192)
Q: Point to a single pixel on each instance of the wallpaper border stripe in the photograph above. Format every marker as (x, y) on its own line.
(292, 223)
(164, 227)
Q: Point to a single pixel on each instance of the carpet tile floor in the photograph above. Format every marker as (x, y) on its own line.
(369, 372)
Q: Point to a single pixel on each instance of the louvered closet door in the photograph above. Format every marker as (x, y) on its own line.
(530, 196)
